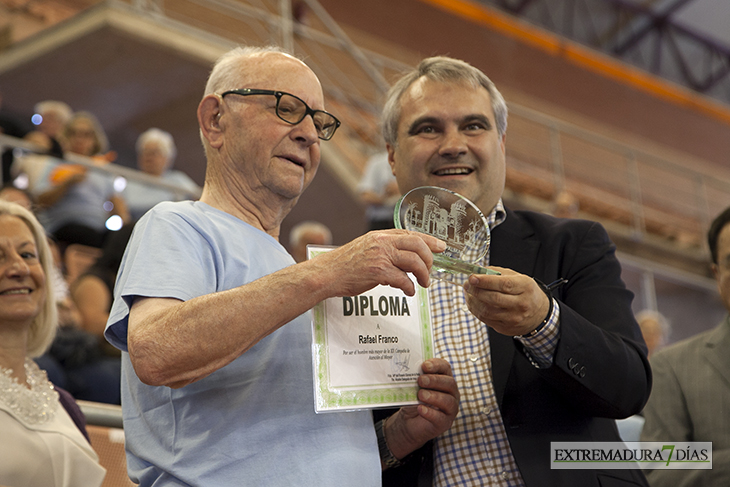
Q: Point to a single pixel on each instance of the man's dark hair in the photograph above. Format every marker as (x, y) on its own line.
(714, 233)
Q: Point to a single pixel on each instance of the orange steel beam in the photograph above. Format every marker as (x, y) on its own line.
(582, 56)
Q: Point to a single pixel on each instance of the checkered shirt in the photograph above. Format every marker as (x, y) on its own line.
(476, 451)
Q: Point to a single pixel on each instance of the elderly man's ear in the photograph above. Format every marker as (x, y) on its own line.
(209, 117)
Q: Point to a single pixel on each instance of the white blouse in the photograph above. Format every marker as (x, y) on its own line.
(50, 454)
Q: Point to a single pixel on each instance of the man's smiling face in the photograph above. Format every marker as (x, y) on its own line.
(447, 137)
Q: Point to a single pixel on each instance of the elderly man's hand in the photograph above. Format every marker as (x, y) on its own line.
(511, 303)
(412, 426)
(379, 258)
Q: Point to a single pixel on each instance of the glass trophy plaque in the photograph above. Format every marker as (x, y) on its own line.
(452, 218)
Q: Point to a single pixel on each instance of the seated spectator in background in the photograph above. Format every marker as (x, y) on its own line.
(90, 368)
(50, 118)
(155, 155)
(29, 169)
(305, 233)
(690, 399)
(44, 441)
(76, 202)
(654, 328)
(93, 291)
(53, 115)
(80, 361)
(379, 190)
(16, 195)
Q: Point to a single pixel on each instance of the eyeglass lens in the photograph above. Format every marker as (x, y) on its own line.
(293, 110)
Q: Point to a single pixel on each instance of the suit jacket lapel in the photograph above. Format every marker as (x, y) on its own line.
(513, 246)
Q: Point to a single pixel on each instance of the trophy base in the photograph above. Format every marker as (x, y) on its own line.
(441, 263)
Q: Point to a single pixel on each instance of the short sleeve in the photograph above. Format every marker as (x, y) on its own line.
(167, 257)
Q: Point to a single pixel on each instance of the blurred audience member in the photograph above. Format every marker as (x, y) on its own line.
(50, 118)
(54, 117)
(565, 205)
(30, 169)
(79, 362)
(155, 155)
(305, 233)
(10, 193)
(93, 291)
(379, 190)
(84, 135)
(690, 398)
(44, 440)
(90, 367)
(654, 328)
(76, 201)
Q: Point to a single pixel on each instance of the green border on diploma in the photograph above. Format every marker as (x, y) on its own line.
(342, 399)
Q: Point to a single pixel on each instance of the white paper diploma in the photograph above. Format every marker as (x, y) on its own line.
(368, 349)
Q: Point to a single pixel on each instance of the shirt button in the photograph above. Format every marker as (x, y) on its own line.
(505, 475)
(473, 357)
(464, 307)
(486, 411)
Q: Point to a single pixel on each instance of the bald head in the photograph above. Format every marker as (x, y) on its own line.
(232, 68)
(255, 67)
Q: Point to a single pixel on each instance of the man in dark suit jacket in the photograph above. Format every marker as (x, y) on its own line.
(533, 365)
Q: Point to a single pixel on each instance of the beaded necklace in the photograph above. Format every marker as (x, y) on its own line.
(36, 405)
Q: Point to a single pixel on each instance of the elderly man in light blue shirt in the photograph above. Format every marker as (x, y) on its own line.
(211, 312)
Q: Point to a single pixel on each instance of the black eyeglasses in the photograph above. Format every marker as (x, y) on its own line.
(292, 109)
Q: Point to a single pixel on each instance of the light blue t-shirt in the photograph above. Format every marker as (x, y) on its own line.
(251, 422)
(141, 197)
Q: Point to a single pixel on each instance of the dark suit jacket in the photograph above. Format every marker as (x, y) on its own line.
(600, 371)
